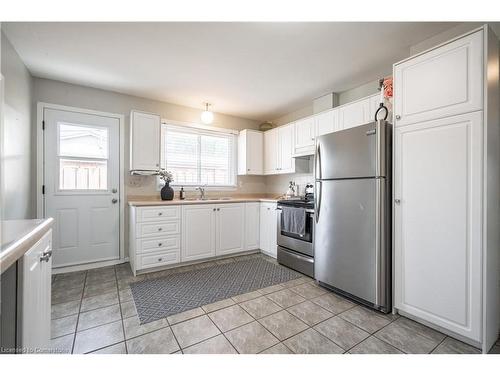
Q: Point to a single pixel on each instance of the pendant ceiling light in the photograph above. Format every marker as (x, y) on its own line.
(207, 116)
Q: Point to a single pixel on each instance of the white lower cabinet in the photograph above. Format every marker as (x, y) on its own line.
(438, 214)
(268, 228)
(155, 236)
(36, 295)
(252, 225)
(198, 232)
(229, 228)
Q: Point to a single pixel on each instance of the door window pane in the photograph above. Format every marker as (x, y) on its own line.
(83, 141)
(83, 175)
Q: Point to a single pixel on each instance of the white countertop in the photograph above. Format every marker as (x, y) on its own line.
(17, 237)
(152, 201)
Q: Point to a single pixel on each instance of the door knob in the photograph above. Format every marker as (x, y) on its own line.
(114, 200)
(397, 201)
(398, 117)
(115, 190)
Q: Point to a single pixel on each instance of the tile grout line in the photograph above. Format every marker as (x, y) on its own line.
(229, 341)
(79, 308)
(121, 312)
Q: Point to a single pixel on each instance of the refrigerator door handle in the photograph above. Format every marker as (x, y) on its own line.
(317, 159)
(317, 198)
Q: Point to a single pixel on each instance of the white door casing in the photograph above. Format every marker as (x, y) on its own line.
(86, 147)
(438, 222)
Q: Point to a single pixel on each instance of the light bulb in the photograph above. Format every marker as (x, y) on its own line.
(207, 117)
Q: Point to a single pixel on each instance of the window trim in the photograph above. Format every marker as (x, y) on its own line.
(199, 129)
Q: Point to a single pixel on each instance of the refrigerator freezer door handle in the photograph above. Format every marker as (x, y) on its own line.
(317, 164)
(317, 198)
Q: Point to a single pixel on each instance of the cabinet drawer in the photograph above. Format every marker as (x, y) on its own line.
(158, 259)
(158, 229)
(158, 213)
(158, 244)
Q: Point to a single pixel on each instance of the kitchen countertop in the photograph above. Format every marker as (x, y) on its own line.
(17, 237)
(156, 201)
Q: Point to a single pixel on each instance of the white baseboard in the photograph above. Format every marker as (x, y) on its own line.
(88, 266)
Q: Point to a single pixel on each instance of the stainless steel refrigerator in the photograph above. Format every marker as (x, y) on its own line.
(352, 243)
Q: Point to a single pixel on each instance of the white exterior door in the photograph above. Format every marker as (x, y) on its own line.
(438, 230)
(198, 232)
(442, 82)
(230, 228)
(82, 190)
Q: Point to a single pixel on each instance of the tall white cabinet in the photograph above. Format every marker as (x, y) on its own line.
(446, 188)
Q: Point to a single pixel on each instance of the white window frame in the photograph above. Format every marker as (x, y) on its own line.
(203, 130)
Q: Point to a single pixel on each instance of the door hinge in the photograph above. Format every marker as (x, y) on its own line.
(43, 125)
(43, 189)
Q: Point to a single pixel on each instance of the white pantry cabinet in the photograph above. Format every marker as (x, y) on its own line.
(268, 228)
(252, 225)
(438, 221)
(144, 141)
(36, 295)
(229, 228)
(250, 152)
(442, 82)
(446, 188)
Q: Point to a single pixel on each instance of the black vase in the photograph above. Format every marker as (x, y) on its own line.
(167, 193)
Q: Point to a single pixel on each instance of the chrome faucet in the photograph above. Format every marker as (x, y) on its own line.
(202, 192)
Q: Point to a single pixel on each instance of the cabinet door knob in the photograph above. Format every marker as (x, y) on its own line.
(159, 244)
(160, 213)
(160, 229)
(214, 209)
(398, 117)
(160, 259)
(397, 201)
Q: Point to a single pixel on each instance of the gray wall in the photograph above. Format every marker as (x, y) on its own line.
(56, 92)
(17, 179)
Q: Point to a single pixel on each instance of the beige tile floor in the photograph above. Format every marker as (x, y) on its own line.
(93, 312)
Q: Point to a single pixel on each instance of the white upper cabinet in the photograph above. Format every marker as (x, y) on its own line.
(354, 114)
(286, 162)
(230, 228)
(250, 152)
(326, 122)
(278, 150)
(304, 136)
(144, 141)
(438, 184)
(442, 82)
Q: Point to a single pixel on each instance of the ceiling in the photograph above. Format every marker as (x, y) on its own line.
(253, 70)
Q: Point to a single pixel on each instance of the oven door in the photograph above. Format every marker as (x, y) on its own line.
(296, 243)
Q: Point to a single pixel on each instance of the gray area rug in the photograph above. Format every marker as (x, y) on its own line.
(158, 298)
